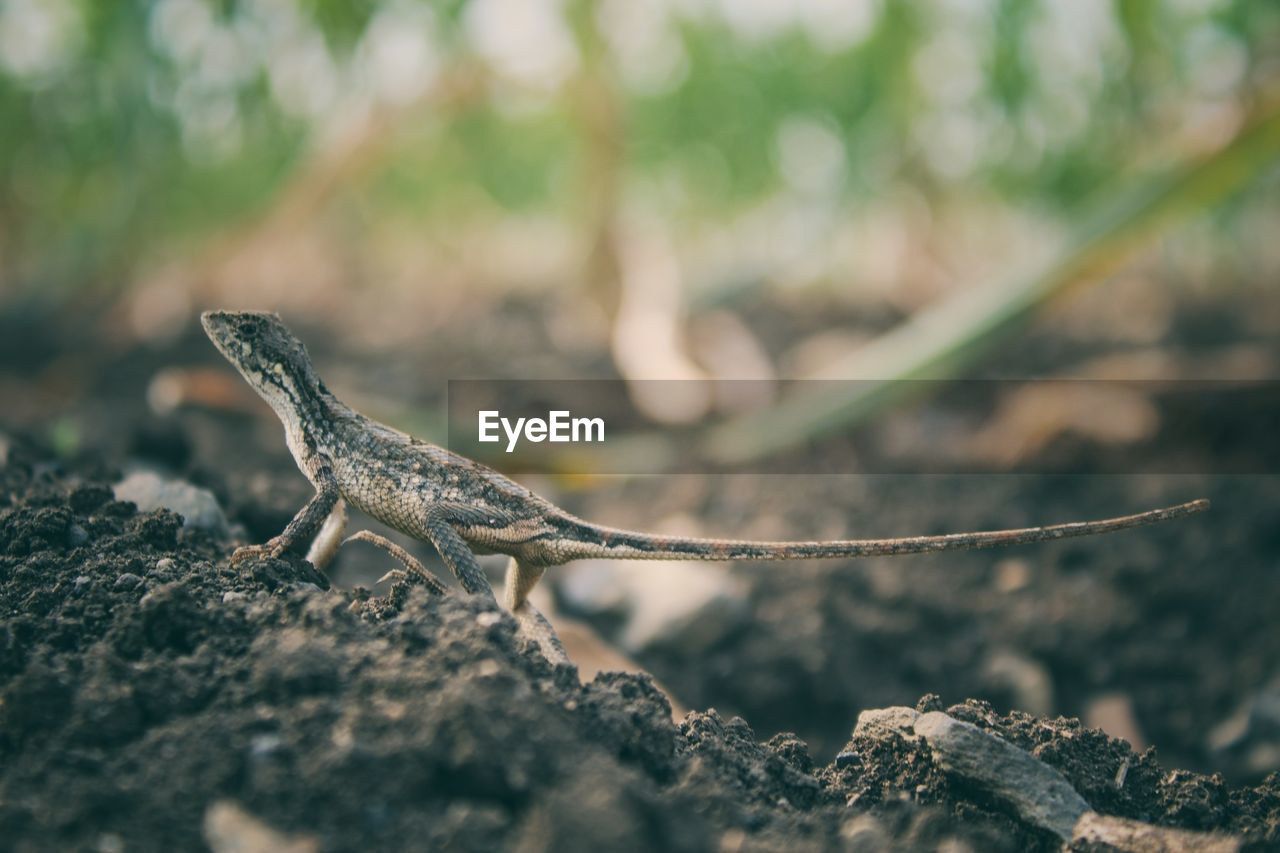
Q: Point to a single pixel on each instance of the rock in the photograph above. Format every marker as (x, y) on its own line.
(592, 587)
(685, 604)
(265, 744)
(198, 507)
(109, 842)
(128, 580)
(877, 722)
(230, 829)
(1093, 831)
(1040, 794)
(1012, 574)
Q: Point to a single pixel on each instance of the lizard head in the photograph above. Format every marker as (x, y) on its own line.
(266, 353)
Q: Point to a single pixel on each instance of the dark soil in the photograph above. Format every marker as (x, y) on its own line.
(142, 680)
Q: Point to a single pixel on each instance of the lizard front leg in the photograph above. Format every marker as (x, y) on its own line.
(305, 525)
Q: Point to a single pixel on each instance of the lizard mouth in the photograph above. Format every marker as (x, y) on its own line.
(220, 329)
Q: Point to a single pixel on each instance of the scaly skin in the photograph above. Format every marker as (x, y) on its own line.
(464, 508)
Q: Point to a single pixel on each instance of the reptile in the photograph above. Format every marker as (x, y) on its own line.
(464, 508)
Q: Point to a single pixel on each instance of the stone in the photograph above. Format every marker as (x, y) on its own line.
(877, 722)
(686, 604)
(198, 507)
(1093, 831)
(1038, 793)
(228, 828)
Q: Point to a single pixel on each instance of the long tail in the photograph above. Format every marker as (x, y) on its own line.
(592, 541)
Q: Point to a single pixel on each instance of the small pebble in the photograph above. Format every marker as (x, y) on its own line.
(262, 745)
(128, 580)
(77, 535)
(81, 580)
(846, 759)
(109, 842)
(231, 595)
(228, 827)
(1012, 574)
(164, 564)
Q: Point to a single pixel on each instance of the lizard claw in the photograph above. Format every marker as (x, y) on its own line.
(393, 575)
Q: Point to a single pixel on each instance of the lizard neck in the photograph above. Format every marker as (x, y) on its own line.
(309, 412)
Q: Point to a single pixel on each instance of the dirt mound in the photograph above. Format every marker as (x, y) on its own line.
(153, 698)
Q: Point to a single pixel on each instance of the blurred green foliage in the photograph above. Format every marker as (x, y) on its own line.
(134, 126)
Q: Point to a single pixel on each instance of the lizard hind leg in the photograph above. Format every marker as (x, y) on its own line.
(530, 623)
(329, 539)
(454, 551)
(521, 579)
(412, 568)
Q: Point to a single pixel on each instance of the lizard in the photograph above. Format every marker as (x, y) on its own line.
(464, 508)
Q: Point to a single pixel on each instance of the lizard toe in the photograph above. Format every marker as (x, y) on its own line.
(255, 552)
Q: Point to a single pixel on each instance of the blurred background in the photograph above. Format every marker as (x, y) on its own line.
(703, 190)
(391, 160)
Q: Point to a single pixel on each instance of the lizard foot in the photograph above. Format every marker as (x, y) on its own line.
(272, 548)
(534, 627)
